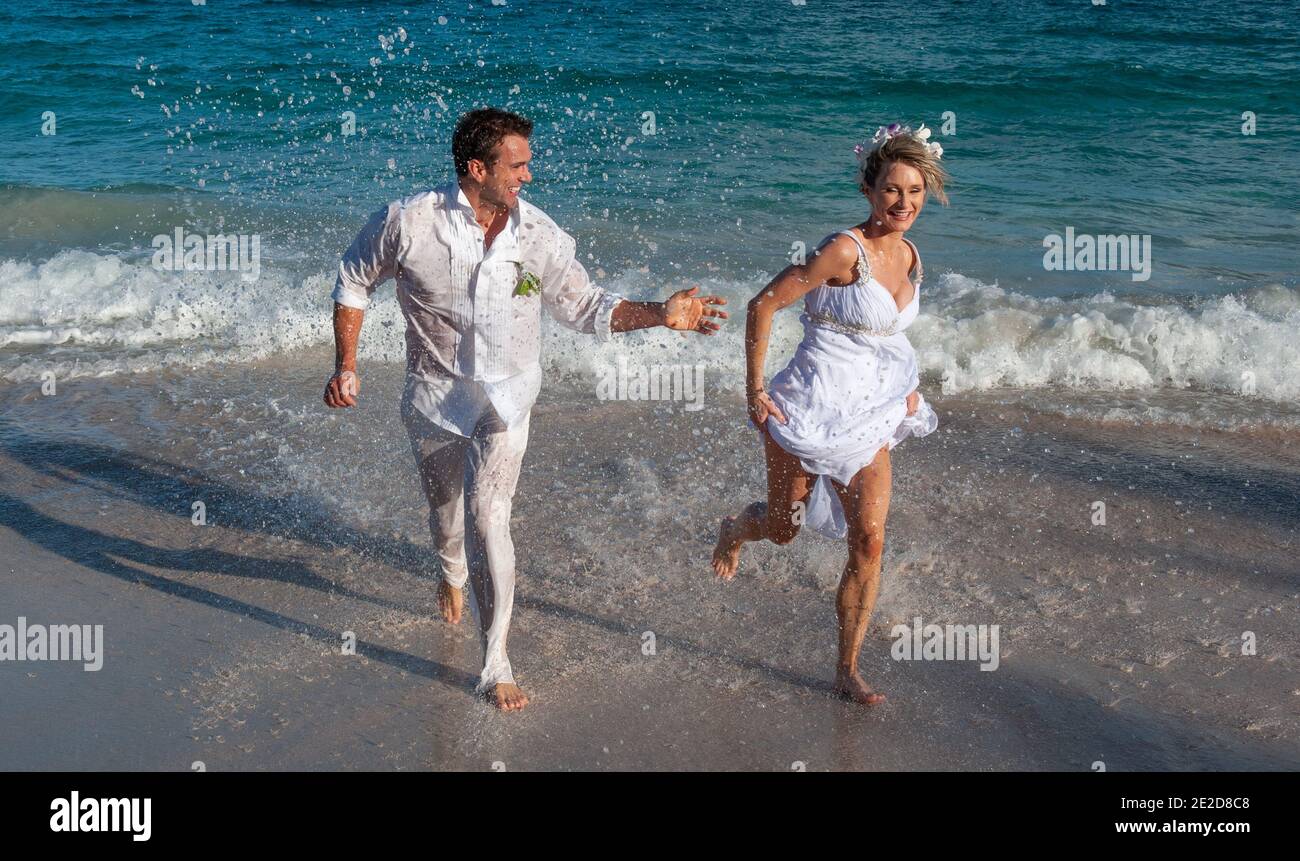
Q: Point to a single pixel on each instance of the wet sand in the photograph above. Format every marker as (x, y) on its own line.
(1119, 643)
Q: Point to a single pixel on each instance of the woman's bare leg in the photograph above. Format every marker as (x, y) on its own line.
(787, 484)
(866, 504)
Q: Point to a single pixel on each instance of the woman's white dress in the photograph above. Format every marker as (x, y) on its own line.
(844, 394)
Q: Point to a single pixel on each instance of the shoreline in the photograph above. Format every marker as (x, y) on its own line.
(1119, 643)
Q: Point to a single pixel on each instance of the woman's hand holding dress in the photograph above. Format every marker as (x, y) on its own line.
(762, 407)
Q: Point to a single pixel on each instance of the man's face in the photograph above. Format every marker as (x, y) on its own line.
(507, 172)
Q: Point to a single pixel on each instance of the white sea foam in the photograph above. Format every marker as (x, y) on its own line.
(102, 314)
(978, 336)
(82, 313)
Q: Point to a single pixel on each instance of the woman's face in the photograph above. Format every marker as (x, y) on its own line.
(898, 196)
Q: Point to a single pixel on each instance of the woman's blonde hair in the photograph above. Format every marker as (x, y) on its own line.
(908, 150)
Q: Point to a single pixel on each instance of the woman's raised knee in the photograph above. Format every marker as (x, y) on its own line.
(867, 544)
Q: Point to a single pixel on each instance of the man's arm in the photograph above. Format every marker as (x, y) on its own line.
(344, 386)
(683, 311)
(571, 298)
(368, 262)
(629, 316)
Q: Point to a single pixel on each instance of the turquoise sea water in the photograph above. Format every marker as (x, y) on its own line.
(1124, 118)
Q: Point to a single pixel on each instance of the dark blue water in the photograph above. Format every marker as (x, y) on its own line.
(1118, 118)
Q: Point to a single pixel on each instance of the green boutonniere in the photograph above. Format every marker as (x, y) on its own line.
(528, 285)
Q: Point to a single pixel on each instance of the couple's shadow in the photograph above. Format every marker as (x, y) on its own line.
(171, 490)
(168, 489)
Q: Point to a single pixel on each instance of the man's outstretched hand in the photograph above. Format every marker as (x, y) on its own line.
(686, 312)
(342, 389)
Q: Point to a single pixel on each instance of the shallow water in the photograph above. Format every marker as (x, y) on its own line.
(1119, 642)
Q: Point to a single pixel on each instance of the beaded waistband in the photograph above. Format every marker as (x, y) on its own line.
(837, 325)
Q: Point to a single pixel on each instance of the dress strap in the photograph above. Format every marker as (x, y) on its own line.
(919, 269)
(864, 262)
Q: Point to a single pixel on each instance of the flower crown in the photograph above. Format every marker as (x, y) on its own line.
(865, 149)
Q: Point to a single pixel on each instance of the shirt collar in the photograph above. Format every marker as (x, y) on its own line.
(508, 238)
(460, 200)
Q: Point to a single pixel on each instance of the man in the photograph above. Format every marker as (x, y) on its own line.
(474, 266)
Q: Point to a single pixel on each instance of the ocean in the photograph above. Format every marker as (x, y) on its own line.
(1123, 119)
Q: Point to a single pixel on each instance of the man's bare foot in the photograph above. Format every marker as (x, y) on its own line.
(451, 601)
(507, 697)
(850, 685)
(726, 554)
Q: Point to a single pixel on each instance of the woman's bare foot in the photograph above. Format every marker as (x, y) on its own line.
(507, 697)
(850, 685)
(451, 601)
(726, 554)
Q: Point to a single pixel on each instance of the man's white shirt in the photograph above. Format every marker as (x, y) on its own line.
(470, 341)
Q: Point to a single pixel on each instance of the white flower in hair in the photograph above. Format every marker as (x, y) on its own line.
(893, 130)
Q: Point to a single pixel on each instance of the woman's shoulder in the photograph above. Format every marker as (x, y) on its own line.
(840, 247)
(835, 260)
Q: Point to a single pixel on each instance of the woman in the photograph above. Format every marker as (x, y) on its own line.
(849, 395)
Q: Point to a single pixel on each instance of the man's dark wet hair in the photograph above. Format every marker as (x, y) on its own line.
(478, 133)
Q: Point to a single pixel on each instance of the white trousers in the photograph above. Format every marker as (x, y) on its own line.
(470, 483)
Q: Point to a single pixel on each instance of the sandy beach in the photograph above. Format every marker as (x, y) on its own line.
(1120, 644)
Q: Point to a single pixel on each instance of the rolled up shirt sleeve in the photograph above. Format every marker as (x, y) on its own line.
(569, 295)
(370, 260)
